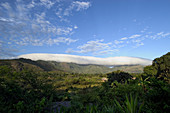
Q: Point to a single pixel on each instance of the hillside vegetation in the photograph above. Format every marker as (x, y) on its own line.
(26, 87)
(40, 65)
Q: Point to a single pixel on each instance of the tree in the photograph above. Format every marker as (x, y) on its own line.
(162, 64)
(118, 76)
(150, 71)
(160, 68)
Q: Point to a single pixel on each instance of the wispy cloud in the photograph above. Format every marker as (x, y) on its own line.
(6, 51)
(139, 44)
(94, 47)
(41, 42)
(20, 22)
(145, 29)
(158, 35)
(134, 36)
(138, 40)
(124, 38)
(81, 5)
(118, 42)
(6, 6)
(75, 27)
(77, 6)
(87, 59)
(134, 40)
(100, 47)
(60, 40)
(28, 22)
(47, 3)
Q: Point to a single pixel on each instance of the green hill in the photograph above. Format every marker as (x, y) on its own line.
(20, 64)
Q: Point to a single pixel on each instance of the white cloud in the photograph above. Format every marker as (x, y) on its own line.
(124, 38)
(107, 51)
(6, 6)
(6, 19)
(30, 41)
(134, 36)
(99, 47)
(77, 6)
(139, 44)
(81, 5)
(145, 29)
(87, 59)
(41, 42)
(118, 42)
(165, 34)
(47, 3)
(75, 27)
(48, 28)
(133, 40)
(159, 35)
(96, 46)
(26, 19)
(137, 40)
(65, 31)
(5, 51)
(93, 46)
(60, 40)
(31, 5)
(38, 20)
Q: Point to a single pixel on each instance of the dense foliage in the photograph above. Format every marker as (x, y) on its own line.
(27, 90)
(35, 90)
(118, 76)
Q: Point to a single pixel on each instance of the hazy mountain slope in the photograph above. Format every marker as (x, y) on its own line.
(130, 69)
(20, 64)
(40, 65)
(78, 68)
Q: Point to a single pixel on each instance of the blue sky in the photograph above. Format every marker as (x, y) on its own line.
(99, 28)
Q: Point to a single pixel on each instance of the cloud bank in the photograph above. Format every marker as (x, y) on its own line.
(121, 60)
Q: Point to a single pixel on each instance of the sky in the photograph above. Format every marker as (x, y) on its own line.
(96, 28)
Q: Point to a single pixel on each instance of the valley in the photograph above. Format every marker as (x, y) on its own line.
(49, 86)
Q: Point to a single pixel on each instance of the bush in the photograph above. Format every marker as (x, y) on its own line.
(157, 97)
(118, 76)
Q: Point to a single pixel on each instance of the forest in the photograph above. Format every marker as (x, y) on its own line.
(30, 89)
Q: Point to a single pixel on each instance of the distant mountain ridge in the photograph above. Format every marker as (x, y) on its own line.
(119, 60)
(40, 65)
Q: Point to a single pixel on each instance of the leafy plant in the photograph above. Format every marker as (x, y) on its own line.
(157, 97)
(131, 105)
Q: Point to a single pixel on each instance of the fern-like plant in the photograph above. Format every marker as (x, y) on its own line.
(131, 105)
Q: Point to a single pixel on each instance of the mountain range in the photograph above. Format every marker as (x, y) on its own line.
(41, 65)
